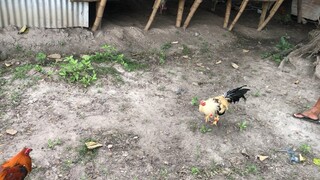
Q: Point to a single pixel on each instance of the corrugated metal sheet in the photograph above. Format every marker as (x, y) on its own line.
(44, 13)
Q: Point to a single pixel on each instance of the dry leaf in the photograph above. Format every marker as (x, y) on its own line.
(234, 65)
(301, 158)
(262, 158)
(186, 56)
(297, 82)
(54, 56)
(12, 132)
(175, 42)
(245, 153)
(93, 145)
(7, 64)
(219, 62)
(245, 50)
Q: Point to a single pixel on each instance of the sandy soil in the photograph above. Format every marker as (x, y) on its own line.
(154, 130)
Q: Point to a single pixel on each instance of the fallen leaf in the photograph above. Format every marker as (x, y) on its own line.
(297, 82)
(175, 42)
(7, 64)
(23, 29)
(245, 153)
(262, 158)
(12, 132)
(234, 65)
(54, 56)
(93, 145)
(316, 161)
(195, 83)
(186, 56)
(245, 50)
(218, 62)
(301, 158)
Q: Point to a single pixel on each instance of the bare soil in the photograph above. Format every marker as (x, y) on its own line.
(154, 130)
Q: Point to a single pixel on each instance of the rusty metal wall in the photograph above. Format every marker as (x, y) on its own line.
(44, 13)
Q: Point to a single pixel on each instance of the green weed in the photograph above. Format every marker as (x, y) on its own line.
(186, 50)
(242, 125)
(41, 58)
(166, 46)
(251, 169)
(305, 148)
(195, 101)
(15, 98)
(204, 48)
(204, 129)
(20, 72)
(284, 47)
(52, 143)
(78, 71)
(195, 171)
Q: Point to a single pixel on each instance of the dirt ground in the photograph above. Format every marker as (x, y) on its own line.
(148, 119)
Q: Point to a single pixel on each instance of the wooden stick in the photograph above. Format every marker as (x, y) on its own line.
(96, 24)
(299, 10)
(156, 6)
(264, 12)
(242, 8)
(227, 16)
(272, 12)
(180, 12)
(193, 9)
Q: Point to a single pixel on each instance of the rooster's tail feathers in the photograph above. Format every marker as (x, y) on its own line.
(234, 95)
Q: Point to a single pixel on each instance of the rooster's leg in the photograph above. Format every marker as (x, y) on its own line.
(215, 120)
(207, 118)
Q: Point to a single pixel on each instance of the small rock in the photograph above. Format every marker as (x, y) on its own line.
(136, 137)
(196, 34)
(12, 132)
(219, 62)
(234, 65)
(175, 42)
(166, 162)
(195, 83)
(110, 146)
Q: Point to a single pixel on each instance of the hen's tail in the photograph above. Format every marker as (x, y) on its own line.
(234, 95)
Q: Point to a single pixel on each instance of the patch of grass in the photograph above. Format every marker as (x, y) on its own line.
(166, 46)
(78, 71)
(41, 58)
(85, 154)
(52, 143)
(19, 48)
(204, 48)
(193, 126)
(242, 125)
(195, 101)
(38, 68)
(305, 149)
(109, 71)
(163, 173)
(204, 129)
(195, 171)
(257, 94)
(186, 50)
(110, 54)
(251, 169)
(20, 72)
(284, 47)
(15, 98)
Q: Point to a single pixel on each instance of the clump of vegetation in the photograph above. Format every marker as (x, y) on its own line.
(186, 50)
(195, 171)
(20, 72)
(284, 47)
(305, 148)
(195, 101)
(251, 169)
(204, 129)
(41, 58)
(52, 143)
(75, 70)
(243, 125)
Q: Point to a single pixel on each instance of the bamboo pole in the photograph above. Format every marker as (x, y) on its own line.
(264, 12)
(242, 7)
(299, 10)
(102, 5)
(180, 12)
(155, 8)
(227, 16)
(272, 12)
(193, 9)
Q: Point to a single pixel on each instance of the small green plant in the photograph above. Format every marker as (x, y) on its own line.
(52, 143)
(41, 58)
(204, 129)
(283, 48)
(257, 94)
(166, 46)
(195, 101)
(204, 48)
(163, 173)
(78, 71)
(186, 50)
(251, 169)
(20, 72)
(162, 57)
(15, 98)
(19, 48)
(195, 171)
(305, 148)
(38, 68)
(243, 125)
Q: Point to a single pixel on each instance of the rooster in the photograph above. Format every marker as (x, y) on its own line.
(216, 106)
(17, 167)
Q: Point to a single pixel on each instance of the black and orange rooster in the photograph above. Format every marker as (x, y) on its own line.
(18, 167)
(216, 106)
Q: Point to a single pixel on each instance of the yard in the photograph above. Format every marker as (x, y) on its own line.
(140, 96)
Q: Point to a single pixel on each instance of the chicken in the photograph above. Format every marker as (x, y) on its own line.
(216, 106)
(17, 167)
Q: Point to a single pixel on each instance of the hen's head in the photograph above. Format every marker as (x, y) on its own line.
(27, 151)
(202, 103)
